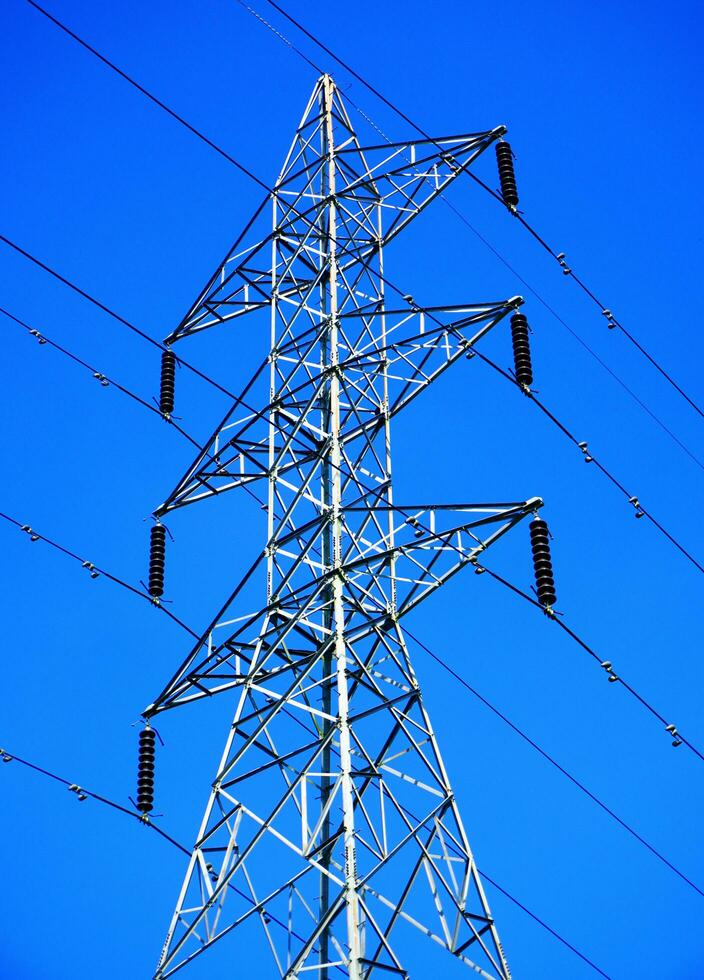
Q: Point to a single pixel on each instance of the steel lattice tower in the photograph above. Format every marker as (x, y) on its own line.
(331, 812)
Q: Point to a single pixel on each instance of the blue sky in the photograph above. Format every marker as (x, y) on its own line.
(604, 114)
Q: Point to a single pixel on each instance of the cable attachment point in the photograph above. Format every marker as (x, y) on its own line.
(636, 504)
(610, 320)
(40, 339)
(33, 536)
(585, 450)
(609, 668)
(94, 573)
(101, 378)
(676, 740)
(411, 302)
(5, 756)
(561, 258)
(75, 788)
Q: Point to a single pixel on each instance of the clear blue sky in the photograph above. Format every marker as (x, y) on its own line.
(603, 105)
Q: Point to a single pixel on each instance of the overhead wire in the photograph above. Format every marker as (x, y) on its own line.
(99, 570)
(223, 153)
(558, 256)
(52, 272)
(82, 793)
(444, 665)
(95, 570)
(9, 757)
(104, 379)
(643, 511)
(640, 510)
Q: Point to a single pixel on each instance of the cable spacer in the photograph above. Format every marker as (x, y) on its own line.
(561, 258)
(636, 504)
(585, 450)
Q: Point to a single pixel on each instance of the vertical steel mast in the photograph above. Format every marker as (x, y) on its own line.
(331, 829)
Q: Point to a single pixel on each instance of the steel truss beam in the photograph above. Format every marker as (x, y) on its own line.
(331, 809)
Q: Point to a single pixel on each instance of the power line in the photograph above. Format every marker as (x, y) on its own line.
(94, 570)
(459, 214)
(140, 88)
(607, 665)
(82, 793)
(640, 510)
(558, 256)
(574, 636)
(110, 312)
(35, 536)
(261, 183)
(104, 380)
(548, 758)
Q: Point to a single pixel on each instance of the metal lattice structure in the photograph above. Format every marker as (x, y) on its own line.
(331, 821)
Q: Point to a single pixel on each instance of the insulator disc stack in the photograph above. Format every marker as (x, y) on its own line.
(145, 770)
(507, 175)
(542, 562)
(157, 558)
(168, 382)
(523, 367)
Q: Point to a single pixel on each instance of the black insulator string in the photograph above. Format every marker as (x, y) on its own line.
(557, 618)
(559, 257)
(146, 821)
(317, 68)
(93, 568)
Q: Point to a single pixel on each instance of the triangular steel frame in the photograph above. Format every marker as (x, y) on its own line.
(331, 820)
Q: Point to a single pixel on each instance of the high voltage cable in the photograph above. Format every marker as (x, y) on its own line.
(229, 158)
(152, 98)
(558, 256)
(96, 570)
(518, 591)
(104, 379)
(548, 758)
(8, 757)
(91, 567)
(82, 793)
(239, 400)
(229, 393)
(640, 510)
(285, 40)
(110, 312)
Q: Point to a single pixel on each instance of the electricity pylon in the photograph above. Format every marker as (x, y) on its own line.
(331, 821)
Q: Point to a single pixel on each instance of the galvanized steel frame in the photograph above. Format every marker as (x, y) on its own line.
(331, 770)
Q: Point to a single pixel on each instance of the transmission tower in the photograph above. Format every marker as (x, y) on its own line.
(331, 822)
